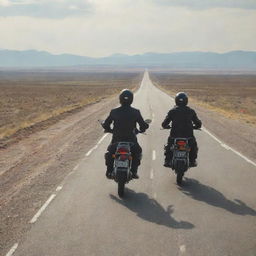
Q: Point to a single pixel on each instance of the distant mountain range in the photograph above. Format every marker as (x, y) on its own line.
(180, 60)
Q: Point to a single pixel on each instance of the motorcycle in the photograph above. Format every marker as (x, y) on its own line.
(180, 158)
(122, 162)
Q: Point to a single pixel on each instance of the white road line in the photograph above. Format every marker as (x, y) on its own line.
(59, 188)
(12, 250)
(205, 130)
(154, 155)
(103, 137)
(70, 173)
(37, 215)
(153, 117)
(76, 167)
(98, 143)
(225, 146)
(183, 248)
(90, 151)
(152, 174)
(229, 148)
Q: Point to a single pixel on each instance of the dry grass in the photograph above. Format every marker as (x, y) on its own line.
(27, 98)
(231, 95)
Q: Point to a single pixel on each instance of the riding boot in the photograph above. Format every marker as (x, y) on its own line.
(134, 170)
(192, 163)
(168, 157)
(109, 172)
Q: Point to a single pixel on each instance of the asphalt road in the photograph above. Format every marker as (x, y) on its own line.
(214, 213)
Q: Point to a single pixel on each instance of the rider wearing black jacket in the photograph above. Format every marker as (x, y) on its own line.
(184, 119)
(124, 120)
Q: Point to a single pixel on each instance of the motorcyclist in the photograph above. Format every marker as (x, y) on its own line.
(183, 120)
(124, 120)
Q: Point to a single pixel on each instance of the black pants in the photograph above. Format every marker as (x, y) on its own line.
(192, 154)
(136, 151)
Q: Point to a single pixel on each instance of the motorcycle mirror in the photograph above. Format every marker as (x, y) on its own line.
(148, 121)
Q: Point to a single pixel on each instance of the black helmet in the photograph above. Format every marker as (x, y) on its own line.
(126, 97)
(181, 99)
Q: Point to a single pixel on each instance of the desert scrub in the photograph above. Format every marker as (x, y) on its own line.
(231, 95)
(27, 98)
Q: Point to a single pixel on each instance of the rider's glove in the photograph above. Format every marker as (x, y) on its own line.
(136, 131)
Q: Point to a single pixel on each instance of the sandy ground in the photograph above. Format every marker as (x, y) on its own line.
(32, 168)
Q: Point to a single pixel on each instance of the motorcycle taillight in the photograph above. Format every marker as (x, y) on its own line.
(181, 143)
(123, 151)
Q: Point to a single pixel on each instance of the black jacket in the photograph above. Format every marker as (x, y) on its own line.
(124, 119)
(184, 120)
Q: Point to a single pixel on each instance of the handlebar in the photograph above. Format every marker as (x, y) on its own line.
(170, 127)
(136, 131)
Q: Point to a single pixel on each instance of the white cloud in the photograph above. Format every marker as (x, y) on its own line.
(73, 7)
(5, 3)
(54, 9)
(206, 4)
(132, 27)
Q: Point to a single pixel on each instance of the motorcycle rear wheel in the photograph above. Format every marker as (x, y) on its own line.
(179, 177)
(121, 186)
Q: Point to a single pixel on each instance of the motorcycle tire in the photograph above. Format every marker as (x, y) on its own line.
(121, 186)
(179, 177)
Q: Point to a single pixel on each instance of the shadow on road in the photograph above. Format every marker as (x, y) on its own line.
(209, 195)
(150, 210)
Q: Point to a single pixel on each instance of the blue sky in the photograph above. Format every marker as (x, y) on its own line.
(103, 27)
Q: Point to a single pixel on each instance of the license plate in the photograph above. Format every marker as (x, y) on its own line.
(181, 154)
(122, 164)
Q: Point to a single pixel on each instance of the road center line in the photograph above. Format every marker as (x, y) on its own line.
(183, 248)
(41, 210)
(154, 155)
(152, 174)
(229, 148)
(12, 250)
